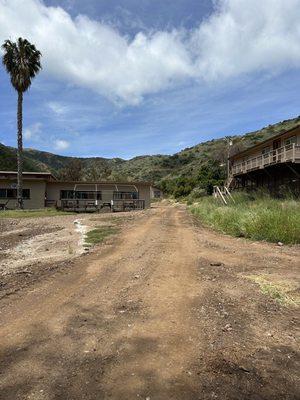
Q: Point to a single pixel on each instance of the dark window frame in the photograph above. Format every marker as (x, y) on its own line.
(122, 195)
(290, 140)
(11, 194)
(74, 195)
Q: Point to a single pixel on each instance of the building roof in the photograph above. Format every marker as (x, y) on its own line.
(28, 175)
(49, 177)
(249, 149)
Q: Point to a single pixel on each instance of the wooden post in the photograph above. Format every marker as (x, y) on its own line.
(221, 195)
(294, 150)
(229, 194)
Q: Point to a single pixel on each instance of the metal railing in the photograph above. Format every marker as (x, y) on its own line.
(78, 204)
(283, 154)
(127, 205)
(96, 205)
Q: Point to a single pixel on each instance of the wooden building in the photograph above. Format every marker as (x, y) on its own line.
(273, 164)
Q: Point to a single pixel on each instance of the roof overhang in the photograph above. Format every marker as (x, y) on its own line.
(44, 176)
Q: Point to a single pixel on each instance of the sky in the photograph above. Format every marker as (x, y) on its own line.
(123, 78)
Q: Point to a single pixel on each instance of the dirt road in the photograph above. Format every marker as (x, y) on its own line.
(164, 311)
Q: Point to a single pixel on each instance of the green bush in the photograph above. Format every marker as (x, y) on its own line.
(257, 217)
(209, 174)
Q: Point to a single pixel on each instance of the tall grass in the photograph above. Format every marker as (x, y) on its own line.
(256, 217)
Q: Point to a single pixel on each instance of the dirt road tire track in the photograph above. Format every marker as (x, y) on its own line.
(150, 317)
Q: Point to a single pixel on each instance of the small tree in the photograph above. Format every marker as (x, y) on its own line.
(22, 62)
(72, 171)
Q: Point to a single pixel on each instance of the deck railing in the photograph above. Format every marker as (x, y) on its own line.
(93, 205)
(288, 153)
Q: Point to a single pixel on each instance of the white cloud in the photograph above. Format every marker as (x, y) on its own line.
(33, 132)
(245, 36)
(61, 144)
(241, 36)
(58, 108)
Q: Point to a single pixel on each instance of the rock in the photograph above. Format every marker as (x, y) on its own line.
(227, 328)
(279, 244)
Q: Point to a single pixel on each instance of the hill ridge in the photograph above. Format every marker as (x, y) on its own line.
(192, 167)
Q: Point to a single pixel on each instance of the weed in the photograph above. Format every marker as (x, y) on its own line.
(279, 291)
(99, 234)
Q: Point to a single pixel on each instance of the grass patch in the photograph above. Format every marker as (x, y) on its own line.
(47, 212)
(258, 218)
(99, 234)
(115, 221)
(277, 291)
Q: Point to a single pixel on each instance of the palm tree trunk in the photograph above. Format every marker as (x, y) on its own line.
(20, 151)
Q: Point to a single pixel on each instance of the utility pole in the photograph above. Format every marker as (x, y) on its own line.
(229, 144)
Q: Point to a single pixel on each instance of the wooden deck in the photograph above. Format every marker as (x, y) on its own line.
(289, 153)
(78, 205)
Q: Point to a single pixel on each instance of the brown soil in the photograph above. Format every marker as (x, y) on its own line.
(33, 248)
(163, 311)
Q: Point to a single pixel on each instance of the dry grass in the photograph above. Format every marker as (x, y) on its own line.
(45, 212)
(284, 292)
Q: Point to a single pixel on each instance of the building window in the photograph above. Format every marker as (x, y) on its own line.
(66, 194)
(88, 195)
(290, 140)
(12, 194)
(266, 150)
(125, 195)
(26, 194)
(80, 195)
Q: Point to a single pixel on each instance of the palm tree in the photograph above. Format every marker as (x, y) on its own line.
(22, 62)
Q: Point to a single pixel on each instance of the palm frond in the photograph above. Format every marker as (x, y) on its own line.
(22, 61)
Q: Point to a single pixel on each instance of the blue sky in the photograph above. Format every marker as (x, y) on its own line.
(129, 77)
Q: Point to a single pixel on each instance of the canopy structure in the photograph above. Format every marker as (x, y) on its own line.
(116, 196)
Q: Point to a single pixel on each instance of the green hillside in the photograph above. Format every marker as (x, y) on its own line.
(194, 168)
(8, 161)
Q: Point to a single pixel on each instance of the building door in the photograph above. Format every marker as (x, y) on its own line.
(276, 146)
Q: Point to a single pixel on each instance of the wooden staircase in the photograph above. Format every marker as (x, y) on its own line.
(222, 194)
(229, 182)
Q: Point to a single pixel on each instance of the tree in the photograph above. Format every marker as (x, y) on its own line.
(22, 62)
(97, 170)
(72, 171)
